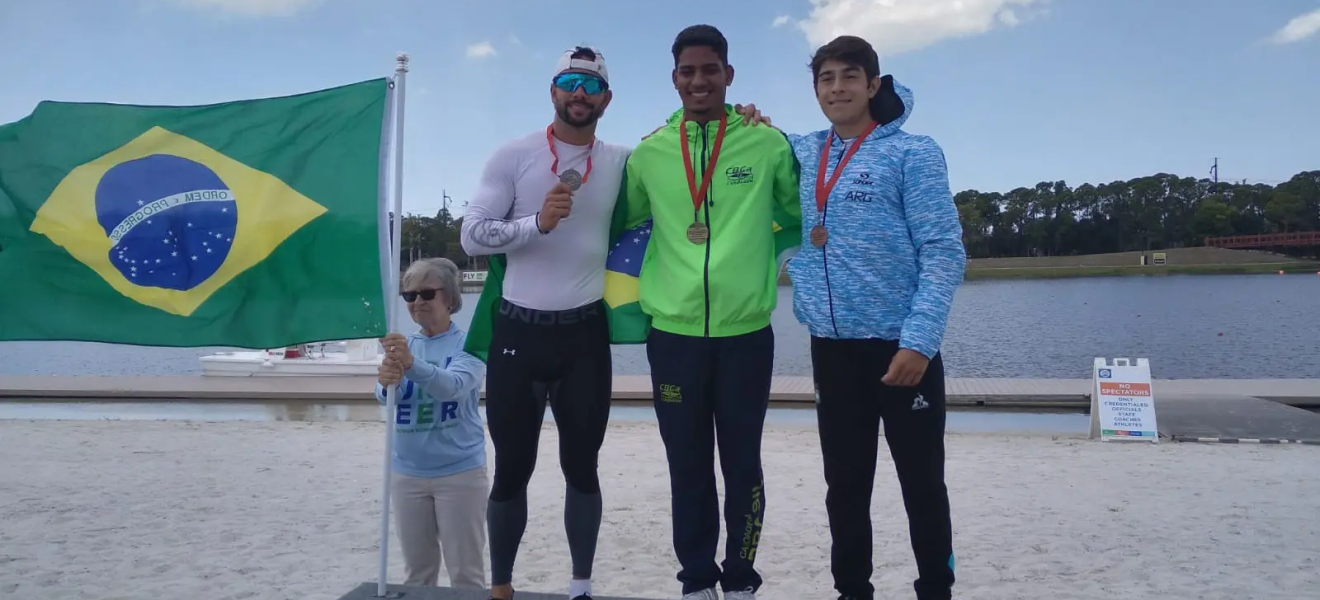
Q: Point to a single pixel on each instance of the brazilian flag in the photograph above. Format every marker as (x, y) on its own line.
(623, 268)
(255, 224)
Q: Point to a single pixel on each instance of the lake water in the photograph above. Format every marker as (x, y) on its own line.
(1232, 326)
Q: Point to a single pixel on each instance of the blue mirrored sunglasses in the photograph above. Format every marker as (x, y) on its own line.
(570, 82)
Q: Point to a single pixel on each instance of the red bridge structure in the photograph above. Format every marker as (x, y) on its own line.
(1266, 240)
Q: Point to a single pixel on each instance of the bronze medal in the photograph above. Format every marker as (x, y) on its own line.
(698, 233)
(819, 235)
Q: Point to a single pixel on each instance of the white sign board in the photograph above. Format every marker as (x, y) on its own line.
(1123, 401)
(474, 276)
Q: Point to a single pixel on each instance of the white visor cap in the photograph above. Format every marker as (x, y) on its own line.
(597, 66)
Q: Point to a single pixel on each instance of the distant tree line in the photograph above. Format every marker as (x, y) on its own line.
(438, 236)
(1155, 212)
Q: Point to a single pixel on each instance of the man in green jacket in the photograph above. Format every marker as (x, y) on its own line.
(715, 188)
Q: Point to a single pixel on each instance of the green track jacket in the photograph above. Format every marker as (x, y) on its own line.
(728, 285)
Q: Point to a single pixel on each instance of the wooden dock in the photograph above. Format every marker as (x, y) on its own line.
(1005, 393)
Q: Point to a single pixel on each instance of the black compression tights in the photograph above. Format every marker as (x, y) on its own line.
(538, 359)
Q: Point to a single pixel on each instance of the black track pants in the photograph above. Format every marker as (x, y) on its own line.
(851, 403)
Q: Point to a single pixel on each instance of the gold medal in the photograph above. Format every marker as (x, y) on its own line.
(819, 235)
(698, 233)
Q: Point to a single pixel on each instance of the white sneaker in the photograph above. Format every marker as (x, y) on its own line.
(747, 594)
(706, 594)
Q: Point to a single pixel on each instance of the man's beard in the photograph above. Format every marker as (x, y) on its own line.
(592, 115)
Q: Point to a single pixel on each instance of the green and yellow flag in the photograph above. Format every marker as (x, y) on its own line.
(254, 224)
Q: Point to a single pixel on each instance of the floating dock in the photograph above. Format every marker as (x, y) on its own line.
(790, 391)
(1223, 418)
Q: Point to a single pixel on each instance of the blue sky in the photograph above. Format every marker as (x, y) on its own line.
(1017, 91)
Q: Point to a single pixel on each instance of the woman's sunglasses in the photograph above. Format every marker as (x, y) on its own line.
(570, 82)
(411, 296)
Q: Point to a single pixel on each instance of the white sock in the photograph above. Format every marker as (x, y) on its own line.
(577, 587)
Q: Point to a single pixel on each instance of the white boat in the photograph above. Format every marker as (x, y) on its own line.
(359, 358)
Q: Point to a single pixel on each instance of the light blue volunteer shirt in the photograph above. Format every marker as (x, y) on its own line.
(437, 427)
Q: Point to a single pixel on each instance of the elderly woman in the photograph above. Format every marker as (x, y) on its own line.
(439, 484)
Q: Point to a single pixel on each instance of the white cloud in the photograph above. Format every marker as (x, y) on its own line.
(1298, 28)
(481, 50)
(780, 21)
(251, 8)
(897, 26)
(513, 39)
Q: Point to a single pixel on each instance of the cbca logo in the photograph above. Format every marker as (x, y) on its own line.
(1106, 374)
(739, 175)
(671, 393)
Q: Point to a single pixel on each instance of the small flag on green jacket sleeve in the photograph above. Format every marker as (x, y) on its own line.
(254, 224)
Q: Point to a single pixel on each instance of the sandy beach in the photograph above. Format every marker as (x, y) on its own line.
(227, 511)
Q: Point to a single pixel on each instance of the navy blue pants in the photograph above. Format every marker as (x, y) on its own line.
(703, 386)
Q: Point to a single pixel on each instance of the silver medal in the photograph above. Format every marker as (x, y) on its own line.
(572, 179)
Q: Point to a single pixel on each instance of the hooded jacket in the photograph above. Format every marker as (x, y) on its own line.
(726, 286)
(895, 255)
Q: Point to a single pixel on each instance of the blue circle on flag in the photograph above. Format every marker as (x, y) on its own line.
(171, 221)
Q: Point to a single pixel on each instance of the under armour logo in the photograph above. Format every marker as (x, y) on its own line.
(919, 403)
(508, 351)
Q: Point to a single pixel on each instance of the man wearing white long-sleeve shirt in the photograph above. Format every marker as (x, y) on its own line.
(550, 340)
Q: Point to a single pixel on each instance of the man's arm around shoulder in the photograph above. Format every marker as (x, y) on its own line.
(787, 176)
(932, 219)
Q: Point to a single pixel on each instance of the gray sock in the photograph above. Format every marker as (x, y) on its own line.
(582, 513)
(505, 522)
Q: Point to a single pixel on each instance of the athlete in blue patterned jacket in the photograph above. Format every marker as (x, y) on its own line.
(881, 259)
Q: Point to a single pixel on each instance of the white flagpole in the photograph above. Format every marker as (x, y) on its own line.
(392, 316)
